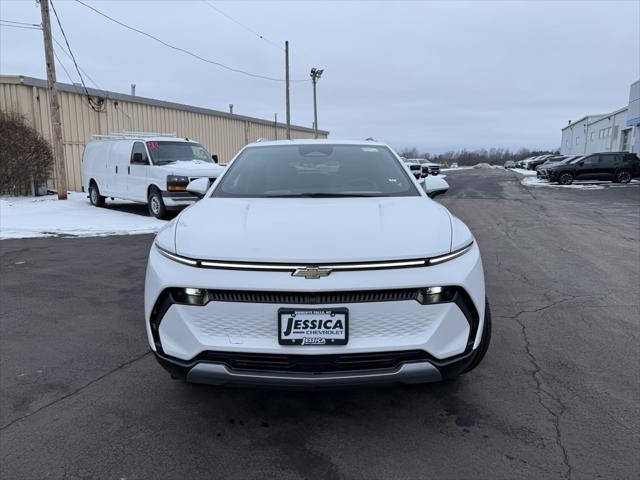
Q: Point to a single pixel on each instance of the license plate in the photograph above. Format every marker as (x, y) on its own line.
(313, 326)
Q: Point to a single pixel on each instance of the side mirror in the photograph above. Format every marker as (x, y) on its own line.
(198, 187)
(581, 163)
(214, 157)
(435, 186)
(137, 159)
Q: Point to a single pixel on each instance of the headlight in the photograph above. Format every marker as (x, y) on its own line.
(177, 183)
(449, 256)
(431, 295)
(190, 296)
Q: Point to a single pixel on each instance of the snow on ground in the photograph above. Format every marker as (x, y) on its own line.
(454, 169)
(577, 184)
(23, 217)
(524, 171)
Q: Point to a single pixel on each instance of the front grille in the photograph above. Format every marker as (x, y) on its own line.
(312, 363)
(306, 298)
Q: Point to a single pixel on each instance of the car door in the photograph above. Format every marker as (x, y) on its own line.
(609, 163)
(587, 168)
(137, 172)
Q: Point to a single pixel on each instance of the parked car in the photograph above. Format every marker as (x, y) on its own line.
(532, 164)
(541, 170)
(415, 166)
(520, 163)
(618, 167)
(248, 288)
(454, 165)
(150, 169)
(509, 164)
(427, 167)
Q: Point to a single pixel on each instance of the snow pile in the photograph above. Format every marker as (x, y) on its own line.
(482, 165)
(577, 184)
(23, 217)
(524, 171)
(454, 169)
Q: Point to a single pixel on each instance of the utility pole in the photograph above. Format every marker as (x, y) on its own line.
(316, 73)
(286, 63)
(54, 104)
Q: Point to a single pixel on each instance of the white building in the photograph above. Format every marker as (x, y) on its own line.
(618, 131)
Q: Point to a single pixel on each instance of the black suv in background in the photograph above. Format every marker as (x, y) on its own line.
(618, 167)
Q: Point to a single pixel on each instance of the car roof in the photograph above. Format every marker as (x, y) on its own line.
(323, 141)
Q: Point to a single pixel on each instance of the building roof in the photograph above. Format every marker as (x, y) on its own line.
(65, 87)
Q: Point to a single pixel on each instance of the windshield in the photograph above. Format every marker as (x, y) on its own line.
(321, 170)
(168, 152)
(576, 160)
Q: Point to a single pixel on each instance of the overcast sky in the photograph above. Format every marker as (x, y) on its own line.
(435, 75)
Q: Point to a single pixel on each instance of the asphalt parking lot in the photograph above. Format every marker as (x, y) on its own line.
(556, 397)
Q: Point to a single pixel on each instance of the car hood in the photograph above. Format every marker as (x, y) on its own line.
(194, 168)
(312, 230)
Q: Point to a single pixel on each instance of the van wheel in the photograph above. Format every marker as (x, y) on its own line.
(156, 204)
(95, 198)
(565, 178)
(484, 341)
(623, 176)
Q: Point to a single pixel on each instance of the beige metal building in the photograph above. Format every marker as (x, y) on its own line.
(221, 133)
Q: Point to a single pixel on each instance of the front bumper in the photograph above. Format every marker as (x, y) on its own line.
(178, 200)
(223, 372)
(195, 341)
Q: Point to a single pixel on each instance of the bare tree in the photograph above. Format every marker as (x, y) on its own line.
(25, 157)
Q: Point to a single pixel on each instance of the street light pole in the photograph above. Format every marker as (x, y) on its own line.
(316, 73)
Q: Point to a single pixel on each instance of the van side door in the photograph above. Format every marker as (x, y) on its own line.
(137, 172)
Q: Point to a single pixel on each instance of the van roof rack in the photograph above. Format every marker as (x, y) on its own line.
(129, 134)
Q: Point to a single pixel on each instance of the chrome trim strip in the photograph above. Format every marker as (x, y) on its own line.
(293, 267)
(219, 374)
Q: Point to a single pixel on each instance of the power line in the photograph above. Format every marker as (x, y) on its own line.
(22, 23)
(179, 49)
(261, 37)
(19, 26)
(64, 35)
(81, 69)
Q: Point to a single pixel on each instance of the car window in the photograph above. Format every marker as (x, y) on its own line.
(138, 147)
(591, 160)
(321, 170)
(609, 160)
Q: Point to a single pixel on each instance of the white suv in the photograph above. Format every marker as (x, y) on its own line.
(295, 270)
(150, 169)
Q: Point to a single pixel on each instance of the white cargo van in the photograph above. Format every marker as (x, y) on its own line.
(151, 168)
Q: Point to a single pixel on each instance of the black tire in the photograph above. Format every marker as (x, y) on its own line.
(484, 341)
(156, 205)
(623, 176)
(565, 178)
(95, 198)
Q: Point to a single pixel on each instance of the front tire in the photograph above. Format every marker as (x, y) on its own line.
(95, 198)
(565, 178)
(623, 176)
(484, 341)
(156, 205)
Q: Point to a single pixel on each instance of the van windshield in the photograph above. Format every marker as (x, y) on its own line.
(169, 152)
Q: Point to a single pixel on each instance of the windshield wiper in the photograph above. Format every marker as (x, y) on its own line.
(321, 195)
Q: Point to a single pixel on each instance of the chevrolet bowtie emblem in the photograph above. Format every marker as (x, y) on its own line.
(312, 272)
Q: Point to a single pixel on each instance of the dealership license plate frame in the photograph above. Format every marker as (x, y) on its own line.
(330, 342)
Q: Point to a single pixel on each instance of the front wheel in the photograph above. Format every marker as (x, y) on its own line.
(157, 207)
(95, 198)
(623, 176)
(484, 341)
(565, 178)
